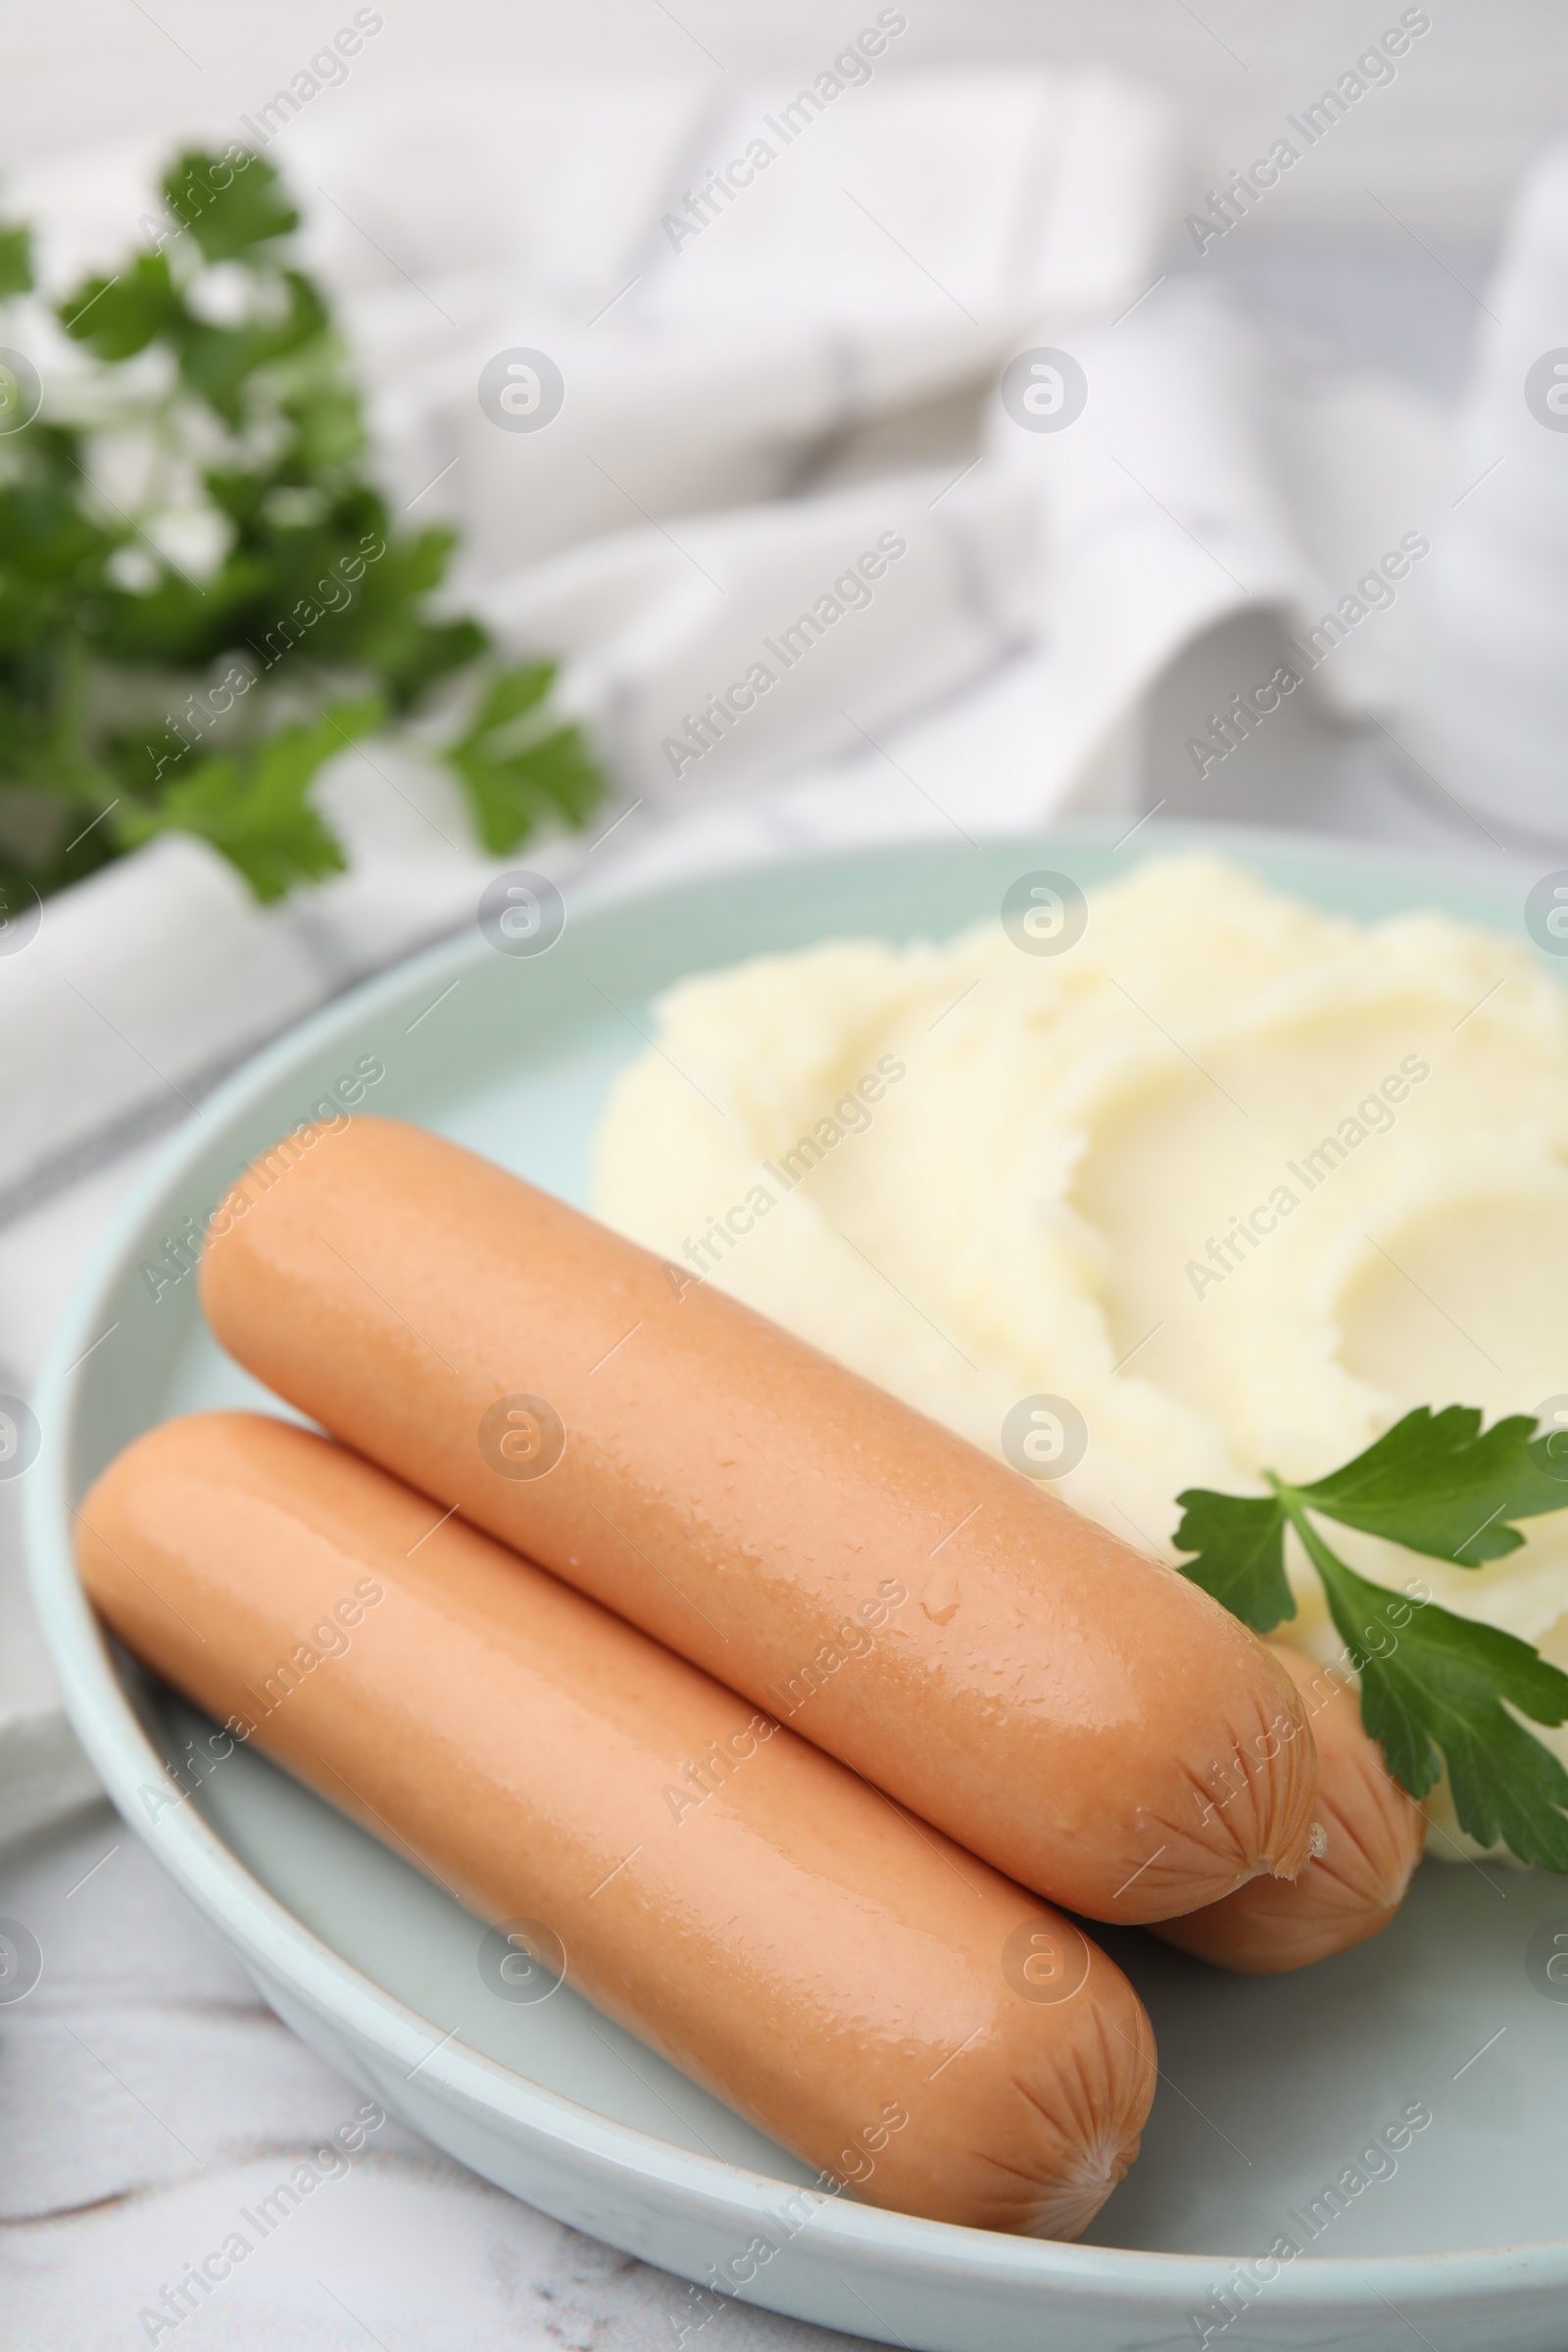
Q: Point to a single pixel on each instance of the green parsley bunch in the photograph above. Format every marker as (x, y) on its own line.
(184, 650)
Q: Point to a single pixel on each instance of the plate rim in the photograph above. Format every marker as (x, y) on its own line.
(350, 2003)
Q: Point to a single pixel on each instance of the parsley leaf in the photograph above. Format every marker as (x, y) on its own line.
(117, 317)
(15, 258)
(254, 808)
(1437, 1483)
(518, 765)
(1240, 1543)
(1436, 1688)
(227, 205)
(1432, 1683)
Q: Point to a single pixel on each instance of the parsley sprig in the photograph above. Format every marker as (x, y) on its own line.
(202, 593)
(1436, 1688)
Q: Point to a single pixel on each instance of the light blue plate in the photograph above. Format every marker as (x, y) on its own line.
(1270, 2091)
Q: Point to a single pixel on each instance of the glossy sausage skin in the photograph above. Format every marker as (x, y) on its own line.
(1372, 1833)
(871, 1995)
(1000, 1664)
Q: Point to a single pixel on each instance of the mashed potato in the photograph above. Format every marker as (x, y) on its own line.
(1239, 1181)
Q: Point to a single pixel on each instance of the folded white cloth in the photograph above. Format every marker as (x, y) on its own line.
(1486, 684)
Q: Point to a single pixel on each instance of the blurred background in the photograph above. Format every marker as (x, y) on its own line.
(1072, 413)
(1450, 151)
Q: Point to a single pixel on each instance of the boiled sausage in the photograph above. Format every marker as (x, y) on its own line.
(1004, 1667)
(871, 1996)
(1370, 1840)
